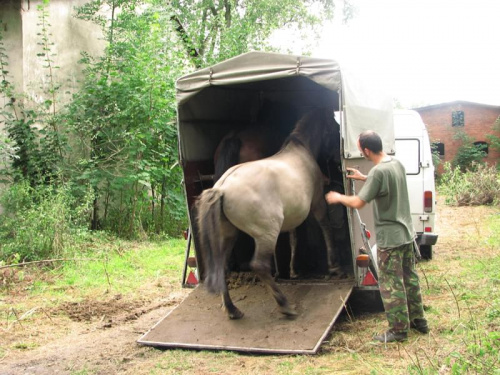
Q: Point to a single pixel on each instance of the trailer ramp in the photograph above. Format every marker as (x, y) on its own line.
(200, 323)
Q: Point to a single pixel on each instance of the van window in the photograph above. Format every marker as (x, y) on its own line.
(408, 153)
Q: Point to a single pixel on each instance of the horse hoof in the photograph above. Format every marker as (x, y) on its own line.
(293, 275)
(336, 275)
(334, 270)
(289, 312)
(236, 314)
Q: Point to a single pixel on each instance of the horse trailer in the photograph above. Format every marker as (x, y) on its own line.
(272, 91)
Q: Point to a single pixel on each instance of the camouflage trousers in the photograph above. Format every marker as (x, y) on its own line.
(399, 286)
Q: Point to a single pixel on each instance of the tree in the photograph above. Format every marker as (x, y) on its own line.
(118, 134)
(214, 30)
(124, 118)
(125, 115)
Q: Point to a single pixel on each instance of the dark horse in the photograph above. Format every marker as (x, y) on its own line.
(249, 144)
(263, 198)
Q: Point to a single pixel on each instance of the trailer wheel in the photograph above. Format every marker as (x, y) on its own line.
(426, 251)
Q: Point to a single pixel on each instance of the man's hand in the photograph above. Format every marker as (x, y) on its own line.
(353, 201)
(333, 197)
(355, 174)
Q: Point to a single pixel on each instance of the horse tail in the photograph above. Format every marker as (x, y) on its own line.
(229, 155)
(209, 216)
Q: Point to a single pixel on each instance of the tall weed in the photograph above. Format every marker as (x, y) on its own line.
(41, 222)
(478, 186)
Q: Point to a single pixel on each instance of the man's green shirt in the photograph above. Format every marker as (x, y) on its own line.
(386, 186)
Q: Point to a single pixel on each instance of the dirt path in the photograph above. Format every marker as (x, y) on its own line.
(107, 345)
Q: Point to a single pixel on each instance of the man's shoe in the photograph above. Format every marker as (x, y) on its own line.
(420, 325)
(391, 336)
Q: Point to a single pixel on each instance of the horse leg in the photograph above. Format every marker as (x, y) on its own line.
(232, 311)
(228, 237)
(277, 271)
(293, 250)
(261, 266)
(320, 213)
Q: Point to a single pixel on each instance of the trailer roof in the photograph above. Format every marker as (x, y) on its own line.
(210, 94)
(260, 66)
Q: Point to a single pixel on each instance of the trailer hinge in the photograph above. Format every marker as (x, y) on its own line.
(298, 65)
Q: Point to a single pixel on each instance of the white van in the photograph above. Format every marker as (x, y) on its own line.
(413, 149)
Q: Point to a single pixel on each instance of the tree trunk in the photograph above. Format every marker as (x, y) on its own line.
(95, 214)
(134, 208)
(162, 202)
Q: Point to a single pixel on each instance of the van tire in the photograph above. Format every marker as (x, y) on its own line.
(426, 251)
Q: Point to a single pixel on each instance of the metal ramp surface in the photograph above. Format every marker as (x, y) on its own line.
(200, 323)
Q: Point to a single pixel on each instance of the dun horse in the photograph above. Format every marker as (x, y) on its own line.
(263, 198)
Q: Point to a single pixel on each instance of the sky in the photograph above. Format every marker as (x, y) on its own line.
(421, 52)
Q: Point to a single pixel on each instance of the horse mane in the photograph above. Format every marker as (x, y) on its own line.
(293, 138)
(307, 131)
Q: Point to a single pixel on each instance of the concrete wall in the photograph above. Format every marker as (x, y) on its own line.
(12, 26)
(478, 122)
(69, 36)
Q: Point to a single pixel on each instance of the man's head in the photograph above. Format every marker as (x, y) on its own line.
(370, 143)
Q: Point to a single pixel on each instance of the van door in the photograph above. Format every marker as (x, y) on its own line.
(409, 151)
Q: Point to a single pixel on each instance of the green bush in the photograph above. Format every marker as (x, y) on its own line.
(42, 222)
(477, 186)
(469, 155)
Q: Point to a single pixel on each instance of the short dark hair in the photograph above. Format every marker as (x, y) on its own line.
(370, 140)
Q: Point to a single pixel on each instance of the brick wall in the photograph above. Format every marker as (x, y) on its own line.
(478, 122)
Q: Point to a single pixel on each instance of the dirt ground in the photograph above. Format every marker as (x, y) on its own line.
(99, 336)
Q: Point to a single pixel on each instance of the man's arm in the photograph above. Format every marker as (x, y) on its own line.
(352, 201)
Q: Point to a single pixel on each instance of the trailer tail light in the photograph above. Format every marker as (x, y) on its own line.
(363, 260)
(428, 201)
(369, 279)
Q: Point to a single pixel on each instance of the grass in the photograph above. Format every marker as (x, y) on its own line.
(117, 271)
(125, 270)
(468, 318)
(478, 336)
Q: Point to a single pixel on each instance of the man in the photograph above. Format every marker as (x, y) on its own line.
(398, 281)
